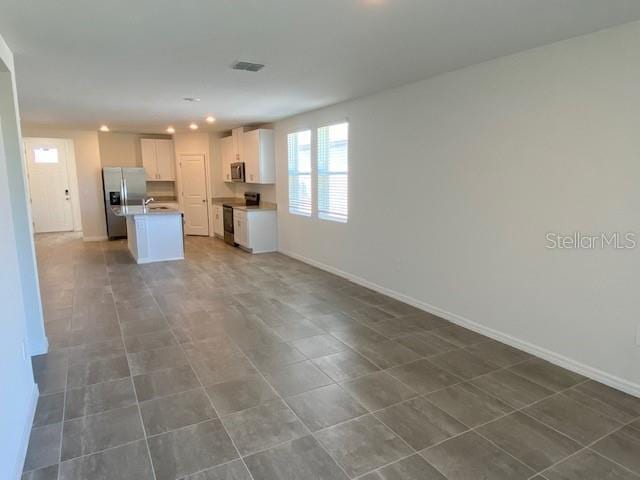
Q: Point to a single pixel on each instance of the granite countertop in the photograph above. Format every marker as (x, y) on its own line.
(161, 199)
(232, 200)
(266, 206)
(140, 210)
(239, 203)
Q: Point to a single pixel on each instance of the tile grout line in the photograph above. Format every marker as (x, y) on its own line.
(282, 399)
(580, 444)
(135, 393)
(588, 447)
(202, 386)
(64, 407)
(469, 429)
(418, 395)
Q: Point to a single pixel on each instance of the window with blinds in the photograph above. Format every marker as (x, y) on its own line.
(333, 172)
(299, 153)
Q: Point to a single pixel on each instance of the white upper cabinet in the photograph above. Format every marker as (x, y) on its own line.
(237, 136)
(149, 158)
(255, 149)
(166, 160)
(158, 159)
(259, 161)
(228, 157)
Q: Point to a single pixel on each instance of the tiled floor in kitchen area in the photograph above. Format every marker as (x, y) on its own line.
(232, 366)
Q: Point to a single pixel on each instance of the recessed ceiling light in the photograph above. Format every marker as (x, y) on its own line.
(191, 99)
(193, 126)
(104, 128)
(171, 130)
(210, 119)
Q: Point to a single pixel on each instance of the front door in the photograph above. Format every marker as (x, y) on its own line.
(49, 184)
(194, 195)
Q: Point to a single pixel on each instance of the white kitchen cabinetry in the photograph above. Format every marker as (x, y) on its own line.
(149, 159)
(218, 220)
(158, 159)
(240, 230)
(259, 161)
(228, 157)
(256, 230)
(237, 134)
(231, 151)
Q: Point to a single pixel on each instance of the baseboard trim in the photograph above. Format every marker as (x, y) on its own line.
(153, 260)
(99, 238)
(541, 352)
(24, 441)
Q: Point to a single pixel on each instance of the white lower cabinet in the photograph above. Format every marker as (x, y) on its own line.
(256, 230)
(218, 220)
(240, 228)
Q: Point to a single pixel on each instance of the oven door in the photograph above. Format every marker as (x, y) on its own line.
(237, 172)
(227, 217)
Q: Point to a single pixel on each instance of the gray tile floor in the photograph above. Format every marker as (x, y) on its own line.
(237, 367)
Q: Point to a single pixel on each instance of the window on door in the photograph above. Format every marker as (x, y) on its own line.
(323, 165)
(299, 153)
(45, 155)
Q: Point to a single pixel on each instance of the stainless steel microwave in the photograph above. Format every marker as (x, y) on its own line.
(237, 172)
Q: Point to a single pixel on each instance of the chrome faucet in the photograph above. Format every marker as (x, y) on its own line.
(145, 202)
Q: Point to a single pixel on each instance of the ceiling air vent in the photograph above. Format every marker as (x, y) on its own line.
(247, 66)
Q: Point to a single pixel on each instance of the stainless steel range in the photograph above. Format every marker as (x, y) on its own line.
(251, 199)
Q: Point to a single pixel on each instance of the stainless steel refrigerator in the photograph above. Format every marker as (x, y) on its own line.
(122, 186)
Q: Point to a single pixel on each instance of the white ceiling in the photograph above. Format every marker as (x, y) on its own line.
(129, 63)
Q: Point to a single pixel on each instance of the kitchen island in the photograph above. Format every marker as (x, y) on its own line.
(154, 234)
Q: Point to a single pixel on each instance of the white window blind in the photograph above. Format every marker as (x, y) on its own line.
(299, 151)
(333, 172)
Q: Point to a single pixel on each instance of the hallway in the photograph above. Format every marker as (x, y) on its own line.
(236, 366)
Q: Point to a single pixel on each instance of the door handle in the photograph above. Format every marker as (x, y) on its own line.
(126, 196)
(66, 194)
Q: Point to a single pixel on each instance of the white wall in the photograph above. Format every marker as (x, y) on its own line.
(18, 392)
(456, 180)
(120, 149)
(89, 172)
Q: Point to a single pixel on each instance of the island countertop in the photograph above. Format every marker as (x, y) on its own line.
(132, 210)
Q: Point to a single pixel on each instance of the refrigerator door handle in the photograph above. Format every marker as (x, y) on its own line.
(124, 189)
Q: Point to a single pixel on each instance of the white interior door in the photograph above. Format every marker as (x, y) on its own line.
(49, 188)
(194, 195)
